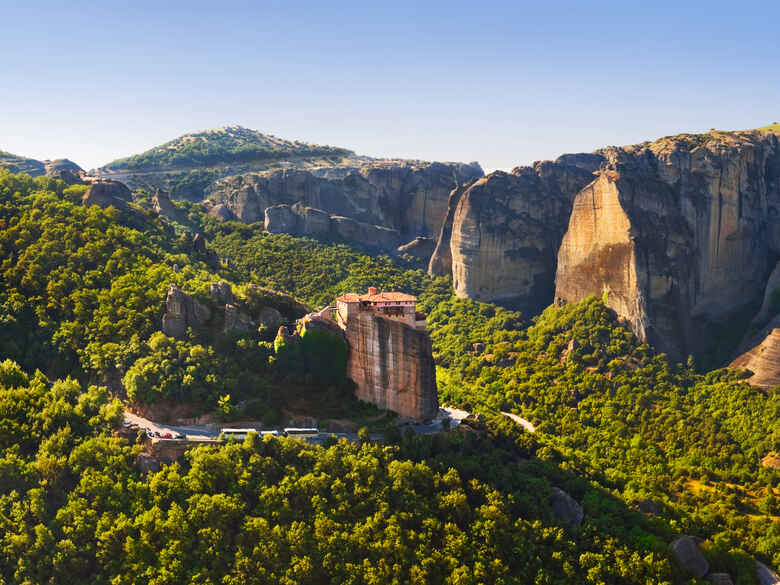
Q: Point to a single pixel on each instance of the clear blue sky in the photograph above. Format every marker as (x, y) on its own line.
(503, 83)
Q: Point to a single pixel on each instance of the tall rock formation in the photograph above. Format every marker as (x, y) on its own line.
(392, 365)
(405, 196)
(183, 310)
(501, 233)
(677, 233)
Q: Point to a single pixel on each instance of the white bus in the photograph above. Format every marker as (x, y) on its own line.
(304, 433)
(237, 434)
(240, 434)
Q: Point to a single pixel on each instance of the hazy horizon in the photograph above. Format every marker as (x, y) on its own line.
(505, 85)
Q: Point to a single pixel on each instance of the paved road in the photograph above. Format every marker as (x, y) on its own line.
(204, 433)
(526, 424)
(198, 433)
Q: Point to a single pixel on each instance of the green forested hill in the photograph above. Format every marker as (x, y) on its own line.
(21, 164)
(617, 427)
(228, 145)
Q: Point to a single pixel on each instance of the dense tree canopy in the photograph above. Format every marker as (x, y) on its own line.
(618, 426)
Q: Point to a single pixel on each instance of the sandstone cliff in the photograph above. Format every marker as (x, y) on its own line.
(392, 365)
(506, 229)
(678, 233)
(405, 196)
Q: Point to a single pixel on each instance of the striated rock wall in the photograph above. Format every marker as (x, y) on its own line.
(405, 196)
(300, 220)
(677, 232)
(506, 229)
(392, 365)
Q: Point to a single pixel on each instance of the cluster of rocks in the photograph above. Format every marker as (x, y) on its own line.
(263, 308)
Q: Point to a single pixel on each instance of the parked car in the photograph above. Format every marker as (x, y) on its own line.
(167, 436)
(180, 436)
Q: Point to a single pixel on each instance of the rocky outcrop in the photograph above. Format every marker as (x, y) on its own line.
(763, 359)
(107, 194)
(566, 508)
(506, 229)
(300, 220)
(405, 196)
(420, 247)
(676, 233)
(183, 310)
(392, 365)
(686, 551)
(162, 204)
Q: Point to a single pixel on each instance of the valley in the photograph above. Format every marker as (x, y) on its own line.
(564, 373)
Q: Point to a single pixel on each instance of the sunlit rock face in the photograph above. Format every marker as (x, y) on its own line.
(392, 365)
(506, 228)
(676, 234)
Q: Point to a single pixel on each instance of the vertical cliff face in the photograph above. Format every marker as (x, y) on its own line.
(392, 365)
(678, 233)
(506, 229)
(405, 196)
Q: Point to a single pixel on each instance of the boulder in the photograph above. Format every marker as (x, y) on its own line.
(566, 508)
(687, 552)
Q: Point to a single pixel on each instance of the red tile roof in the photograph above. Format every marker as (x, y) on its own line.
(381, 297)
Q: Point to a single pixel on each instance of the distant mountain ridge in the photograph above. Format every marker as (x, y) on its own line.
(35, 168)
